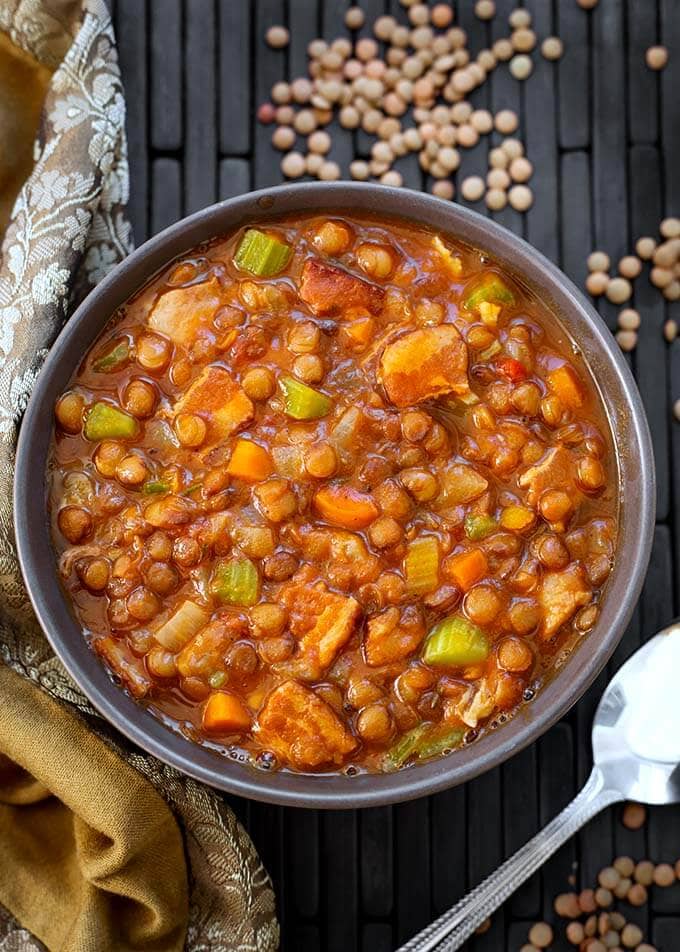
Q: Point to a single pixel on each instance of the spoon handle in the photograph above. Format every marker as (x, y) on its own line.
(451, 929)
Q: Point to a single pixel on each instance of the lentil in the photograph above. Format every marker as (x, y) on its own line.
(656, 57)
(277, 37)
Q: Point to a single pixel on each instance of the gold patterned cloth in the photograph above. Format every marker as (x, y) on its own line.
(101, 846)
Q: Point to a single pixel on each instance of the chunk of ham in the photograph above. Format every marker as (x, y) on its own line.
(183, 313)
(393, 635)
(219, 399)
(329, 290)
(301, 729)
(423, 364)
(323, 622)
(560, 595)
(555, 470)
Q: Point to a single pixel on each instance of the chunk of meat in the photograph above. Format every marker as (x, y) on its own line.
(125, 665)
(322, 620)
(329, 290)
(430, 362)
(204, 653)
(561, 594)
(183, 313)
(216, 397)
(555, 470)
(393, 635)
(301, 729)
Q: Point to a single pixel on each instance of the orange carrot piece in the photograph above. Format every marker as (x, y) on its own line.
(360, 331)
(225, 714)
(345, 507)
(466, 568)
(250, 461)
(564, 383)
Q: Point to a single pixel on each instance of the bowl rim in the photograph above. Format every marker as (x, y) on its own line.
(335, 791)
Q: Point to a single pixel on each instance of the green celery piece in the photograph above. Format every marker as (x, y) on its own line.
(405, 747)
(113, 359)
(261, 254)
(435, 743)
(303, 402)
(478, 526)
(491, 287)
(236, 582)
(153, 486)
(192, 488)
(217, 679)
(421, 565)
(104, 422)
(455, 641)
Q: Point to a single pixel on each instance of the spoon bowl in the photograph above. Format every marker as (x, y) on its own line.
(636, 749)
(636, 731)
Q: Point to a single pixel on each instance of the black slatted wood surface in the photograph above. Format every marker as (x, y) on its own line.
(604, 136)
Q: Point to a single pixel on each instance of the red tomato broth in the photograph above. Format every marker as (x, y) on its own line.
(386, 489)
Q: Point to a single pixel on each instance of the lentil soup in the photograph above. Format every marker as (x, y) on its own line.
(333, 494)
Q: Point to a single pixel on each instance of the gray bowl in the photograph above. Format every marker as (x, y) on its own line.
(634, 457)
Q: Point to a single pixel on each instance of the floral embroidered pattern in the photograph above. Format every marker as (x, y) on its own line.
(67, 230)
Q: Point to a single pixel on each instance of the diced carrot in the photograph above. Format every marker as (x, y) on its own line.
(466, 568)
(345, 507)
(360, 330)
(250, 461)
(564, 383)
(225, 714)
(517, 518)
(511, 368)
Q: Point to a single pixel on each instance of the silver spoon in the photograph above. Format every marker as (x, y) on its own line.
(636, 748)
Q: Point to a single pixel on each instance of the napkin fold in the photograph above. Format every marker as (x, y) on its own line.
(91, 857)
(102, 847)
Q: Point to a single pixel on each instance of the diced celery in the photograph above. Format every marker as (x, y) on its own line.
(153, 486)
(436, 742)
(490, 287)
(236, 582)
(303, 402)
(491, 351)
(182, 626)
(406, 747)
(455, 641)
(192, 487)
(261, 254)
(104, 422)
(478, 526)
(421, 565)
(217, 679)
(113, 359)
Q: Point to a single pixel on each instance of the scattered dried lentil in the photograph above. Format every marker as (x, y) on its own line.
(656, 57)
(277, 37)
(644, 248)
(521, 198)
(552, 48)
(521, 66)
(472, 188)
(630, 266)
(670, 330)
(619, 290)
(597, 283)
(598, 261)
(540, 935)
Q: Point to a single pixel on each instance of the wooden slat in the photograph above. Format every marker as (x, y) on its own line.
(484, 844)
(131, 34)
(557, 789)
(234, 177)
(449, 848)
(651, 352)
(166, 193)
(301, 863)
(576, 228)
(269, 68)
(200, 149)
(505, 93)
(339, 874)
(165, 23)
(377, 937)
(235, 92)
(609, 139)
(376, 858)
(643, 83)
(574, 75)
(540, 128)
(521, 822)
(412, 868)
